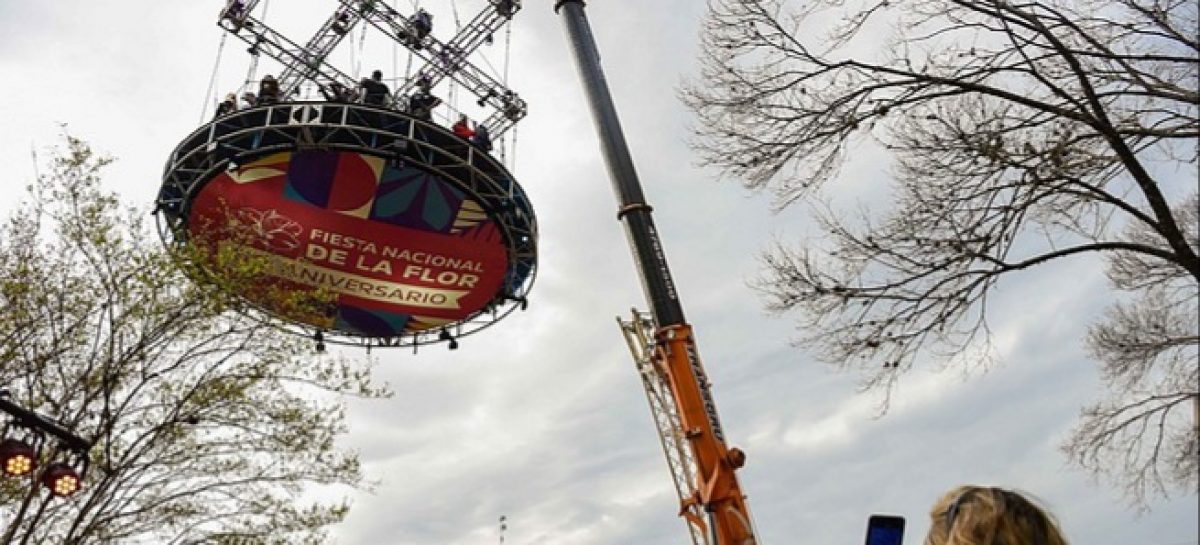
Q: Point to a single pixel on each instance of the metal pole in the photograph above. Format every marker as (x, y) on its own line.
(634, 212)
(33, 420)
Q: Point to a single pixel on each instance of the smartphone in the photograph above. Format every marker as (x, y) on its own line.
(885, 530)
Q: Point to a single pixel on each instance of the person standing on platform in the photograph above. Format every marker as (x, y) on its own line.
(421, 105)
(227, 106)
(268, 90)
(336, 92)
(462, 128)
(482, 139)
(375, 92)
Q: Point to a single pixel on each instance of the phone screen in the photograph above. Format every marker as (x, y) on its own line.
(885, 530)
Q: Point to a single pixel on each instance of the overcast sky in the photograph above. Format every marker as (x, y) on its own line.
(542, 418)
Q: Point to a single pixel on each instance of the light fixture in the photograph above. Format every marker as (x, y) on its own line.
(17, 458)
(62, 479)
(21, 450)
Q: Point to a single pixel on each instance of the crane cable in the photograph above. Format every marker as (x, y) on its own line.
(357, 53)
(507, 52)
(409, 64)
(209, 95)
(451, 93)
(253, 71)
(396, 51)
(457, 22)
(507, 55)
(353, 59)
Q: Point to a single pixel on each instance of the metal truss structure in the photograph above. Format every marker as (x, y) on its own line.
(442, 60)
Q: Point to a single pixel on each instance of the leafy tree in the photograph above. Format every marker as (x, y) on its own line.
(208, 427)
(1022, 133)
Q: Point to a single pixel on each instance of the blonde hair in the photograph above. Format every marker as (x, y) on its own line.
(977, 515)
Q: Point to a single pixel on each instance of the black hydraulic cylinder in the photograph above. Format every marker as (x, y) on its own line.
(634, 212)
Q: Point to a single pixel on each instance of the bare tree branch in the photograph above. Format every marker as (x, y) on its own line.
(1021, 133)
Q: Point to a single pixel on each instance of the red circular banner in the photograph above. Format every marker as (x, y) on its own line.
(397, 249)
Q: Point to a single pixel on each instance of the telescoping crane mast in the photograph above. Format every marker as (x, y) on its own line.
(702, 463)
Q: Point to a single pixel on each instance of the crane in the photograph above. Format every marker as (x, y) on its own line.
(661, 341)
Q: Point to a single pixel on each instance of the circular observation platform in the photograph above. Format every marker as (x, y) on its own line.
(405, 233)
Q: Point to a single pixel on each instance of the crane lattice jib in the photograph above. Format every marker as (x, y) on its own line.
(639, 335)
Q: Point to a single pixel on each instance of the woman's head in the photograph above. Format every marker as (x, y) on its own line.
(978, 515)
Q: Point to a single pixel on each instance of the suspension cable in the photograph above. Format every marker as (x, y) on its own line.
(504, 152)
(357, 60)
(353, 58)
(457, 22)
(251, 74)
(501, 75)
(209, 95)
(396, 50)
(507, 51)
(408, 67)
(252, 71)
(494, 72)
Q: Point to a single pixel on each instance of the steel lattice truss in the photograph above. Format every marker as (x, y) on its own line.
(639, 335)
(442, 60)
